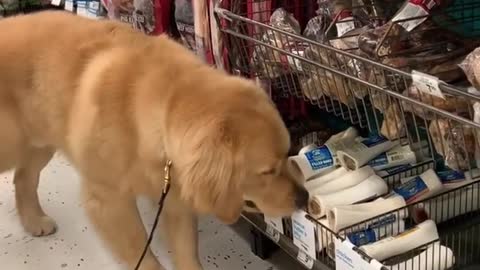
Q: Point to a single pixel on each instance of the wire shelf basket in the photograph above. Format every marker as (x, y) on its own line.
(376, 88)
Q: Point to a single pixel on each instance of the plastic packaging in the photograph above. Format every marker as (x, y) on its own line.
(316, 182)
(420, 187)
(454, 179)
(471, 67)
(435, 257)
(393, 127)
(455, 142)
(273, 64)
(369, 189)
(397, 156)
(450, 103)
(317, 27)
(347, 180)
(148, 16)
(418, 236)
(360, 153)
(342, 216)
(376, 233)
(324, 158)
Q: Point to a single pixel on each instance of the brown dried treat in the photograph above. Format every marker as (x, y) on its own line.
(393, 126)
(471, 68)
(392, 35)
(455, 142)
(453, 104)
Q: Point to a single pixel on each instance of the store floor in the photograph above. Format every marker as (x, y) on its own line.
(76, 246)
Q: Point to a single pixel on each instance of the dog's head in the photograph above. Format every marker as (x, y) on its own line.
(234, 150)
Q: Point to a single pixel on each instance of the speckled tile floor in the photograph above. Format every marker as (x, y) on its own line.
(76, 246)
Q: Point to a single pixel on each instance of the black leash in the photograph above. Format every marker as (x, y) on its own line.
(166, 189)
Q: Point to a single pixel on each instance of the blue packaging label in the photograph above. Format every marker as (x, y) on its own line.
(383, 221)
(398, 169)
(378, 161)
(320, 158)
(363, 237)
(412, 189)
(368, 235)
(451, 176)
(374, 140)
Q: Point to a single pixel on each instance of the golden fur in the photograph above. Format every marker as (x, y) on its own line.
(119, 103)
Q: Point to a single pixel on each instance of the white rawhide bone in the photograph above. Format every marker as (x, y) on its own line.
(418, 236)
(350, 134)
(345, 181)
(420, 187)
(322, 159)
(379, 232)
(343, 216)
(361, 152)
(435, 257)
(370, 188)
(320, 180)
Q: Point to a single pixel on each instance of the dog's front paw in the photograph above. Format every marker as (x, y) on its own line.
(40, 226)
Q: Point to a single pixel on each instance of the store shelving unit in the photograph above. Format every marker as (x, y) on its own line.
(323, 76)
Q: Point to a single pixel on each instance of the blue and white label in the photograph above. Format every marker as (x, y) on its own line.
(362, 237)
(412, 189)
(320, 158)
(394, 170)
(346, 258)
(369, 235)
(451, 176)
(379, 161)
(373, 141)
(304, 233)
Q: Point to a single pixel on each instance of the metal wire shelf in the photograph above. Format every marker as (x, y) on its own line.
(379, 95)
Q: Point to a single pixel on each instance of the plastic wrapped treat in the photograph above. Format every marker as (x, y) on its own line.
(316, 28)
(312, 87)
(393, 126)
(471, 67)
(272, 62)
(369, 41)
(331, 84)
(451, 103)
(148, 16)
(455, 142)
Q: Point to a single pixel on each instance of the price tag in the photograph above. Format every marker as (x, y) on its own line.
(273, 233)
(304, 233)
(346, 258)
(345, 27)
(69, 5)
(56, 2)
(276, 223)
(427, 84)
(306, 260)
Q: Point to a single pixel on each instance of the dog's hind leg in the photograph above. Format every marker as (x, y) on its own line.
(27, 174)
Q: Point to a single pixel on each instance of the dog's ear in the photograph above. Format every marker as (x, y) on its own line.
(210, 177)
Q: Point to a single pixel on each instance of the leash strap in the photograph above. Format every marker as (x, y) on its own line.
(166, 189)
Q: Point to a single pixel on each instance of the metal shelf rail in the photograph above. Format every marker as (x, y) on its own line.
(375, 93)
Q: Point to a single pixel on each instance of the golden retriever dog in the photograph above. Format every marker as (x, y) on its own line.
(120, 104)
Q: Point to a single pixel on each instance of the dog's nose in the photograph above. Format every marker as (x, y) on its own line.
(302, 197)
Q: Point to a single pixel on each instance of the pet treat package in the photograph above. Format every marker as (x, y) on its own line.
(10, 7)
(148, 16)
(193, 24)
(471, 67)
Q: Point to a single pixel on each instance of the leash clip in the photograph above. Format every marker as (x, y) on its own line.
(166, 178)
